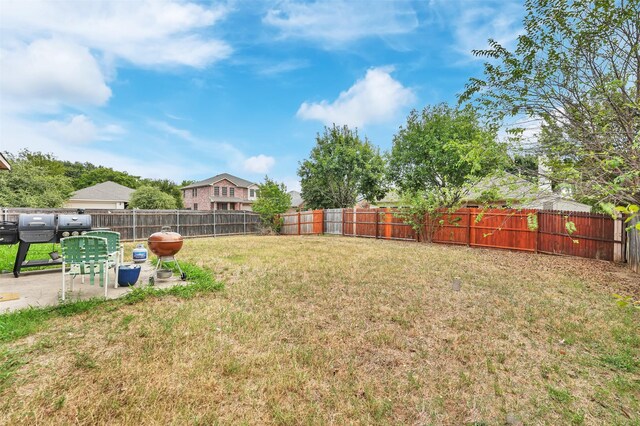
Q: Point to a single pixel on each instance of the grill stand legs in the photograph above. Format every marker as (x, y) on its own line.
(168, 259)
(21, 255)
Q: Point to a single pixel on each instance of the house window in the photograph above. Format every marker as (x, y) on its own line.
(216, 191)
(232, 192)
(195, 206)
(224, 191)
(252, 193)
(222, 206)
(194, 192)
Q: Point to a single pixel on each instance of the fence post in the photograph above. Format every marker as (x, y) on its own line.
(469, 229)
(537, 231)
(134, 224)
(377, 220)
(5, 213)
(298, 222)
(355, 222)
(244, 221)
(342, 211)
(178, 221)
(214, 223)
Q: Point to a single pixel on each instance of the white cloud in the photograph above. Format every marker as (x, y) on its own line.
(234, 158)
(335, 22)
(56, 54)
(291, 182)
(52, 72)
(374, 99)
(281, 67)
(167, 128)
(146, 33)
(79, 129)
(259, 164)
(474, 23)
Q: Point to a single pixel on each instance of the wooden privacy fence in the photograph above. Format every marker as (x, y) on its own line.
(303, 223)
(139, 224)
(595, 236)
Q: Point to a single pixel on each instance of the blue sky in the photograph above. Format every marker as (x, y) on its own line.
(187, 90)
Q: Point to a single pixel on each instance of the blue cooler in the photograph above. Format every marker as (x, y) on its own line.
(128, 275)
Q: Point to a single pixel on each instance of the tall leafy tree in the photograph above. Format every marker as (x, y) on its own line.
(104, 174)
(443, 151)
(149, 197)
(34, 181)
(75, 170)
(340, 168)
(273, 200)
(575, 68)
(168, 187)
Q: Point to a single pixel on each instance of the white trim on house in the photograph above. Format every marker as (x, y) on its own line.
(4, 163)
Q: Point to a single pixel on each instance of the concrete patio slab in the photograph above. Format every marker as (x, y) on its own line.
(44, 288)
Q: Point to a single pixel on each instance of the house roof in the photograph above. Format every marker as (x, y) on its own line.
(105, 191)
(296, 198)
(507, 186)
(4, 163)
(239, 182)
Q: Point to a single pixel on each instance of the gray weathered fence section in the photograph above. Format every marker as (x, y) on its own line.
(306, 222)
(290, 225)
(333, 221)
(633, 247)
(139, 224)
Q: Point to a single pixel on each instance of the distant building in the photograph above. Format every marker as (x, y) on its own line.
(4, 163)
(220, 192)
(106, 195)
(297, 203)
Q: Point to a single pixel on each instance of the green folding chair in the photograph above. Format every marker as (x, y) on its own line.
(115, 249)
(85, 255)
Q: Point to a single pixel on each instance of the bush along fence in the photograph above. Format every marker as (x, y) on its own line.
(139, 224)
(590, 235)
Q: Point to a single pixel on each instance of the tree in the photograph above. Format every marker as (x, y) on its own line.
(575, 69)
(76, 170)
(443, 150)
(523, 165)
(31, 183)
(104, 174)
(168, 187)
(341, 167)
(273, 200)
(149, 197)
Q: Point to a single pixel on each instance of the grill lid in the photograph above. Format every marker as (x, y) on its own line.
(36, 222)
(74, 222)
(37, 228)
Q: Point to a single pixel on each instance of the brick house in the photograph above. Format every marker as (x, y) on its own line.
(220, 192)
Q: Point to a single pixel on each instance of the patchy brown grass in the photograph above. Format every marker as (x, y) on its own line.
(315, 330)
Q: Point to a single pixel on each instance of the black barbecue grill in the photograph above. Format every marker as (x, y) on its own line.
(37, 228)
(8, 232)
(40, 229)
(71, 225)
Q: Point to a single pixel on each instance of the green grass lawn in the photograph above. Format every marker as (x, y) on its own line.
(317, 330)
(36, 251)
